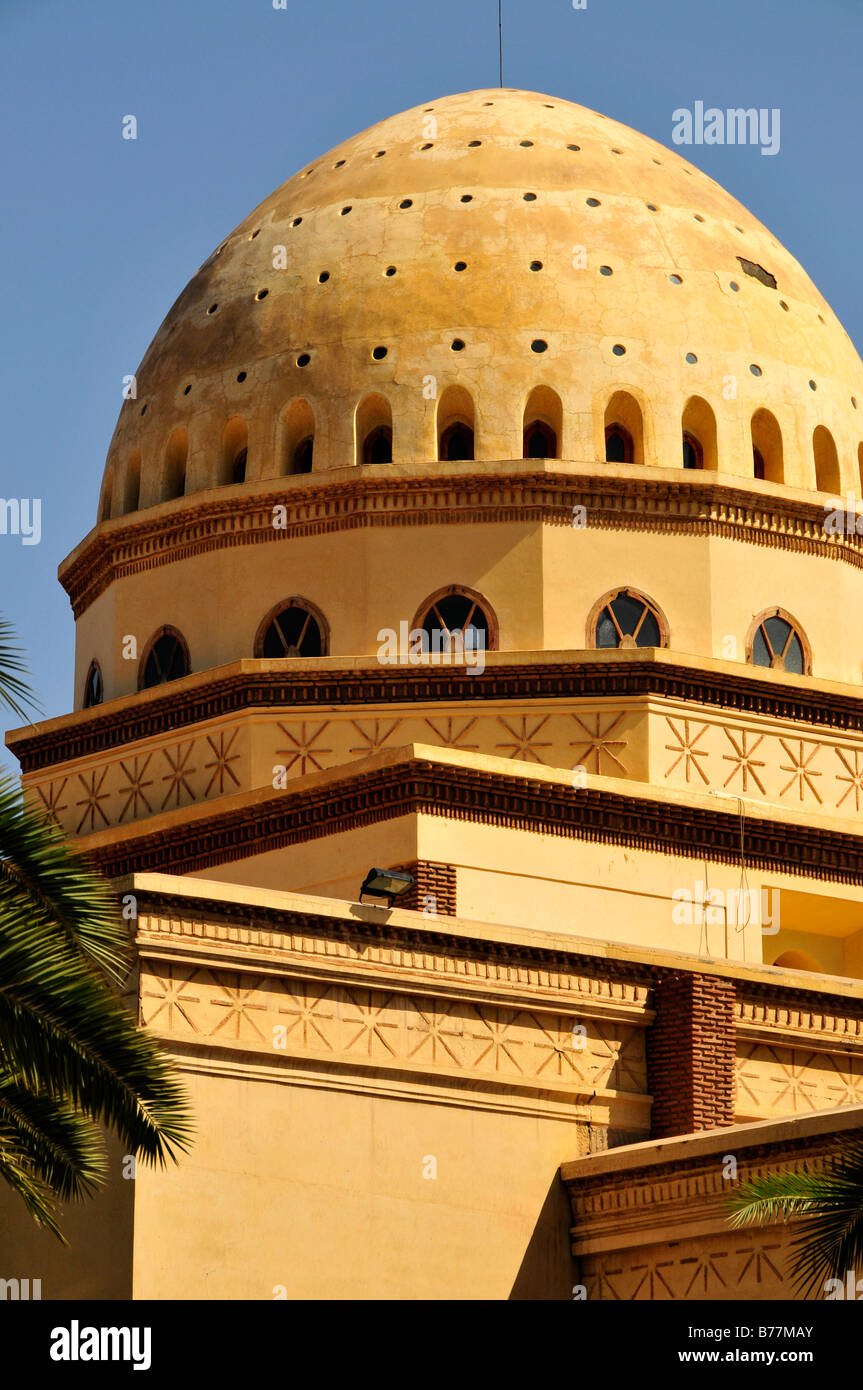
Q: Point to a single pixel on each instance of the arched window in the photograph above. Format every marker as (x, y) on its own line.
(174, 471)
(166, 659)
(93, 691)
(826, 460)
(618, 444)
(626, 618)
(294, 628)
(378, 445)
(297, 438)
(699, 434)
(235, 451)
(373, 429)
(693, 454)
(105, 501)
(540, 441)
(624, 429)
(777, 641)
(767, 461)
(132, 482)
(457, 618)
(455, 425)
(542, 422)
(304, 456)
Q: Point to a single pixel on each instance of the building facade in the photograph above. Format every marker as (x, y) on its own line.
(481, 512)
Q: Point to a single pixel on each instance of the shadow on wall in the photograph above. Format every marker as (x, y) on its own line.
(547, 1271)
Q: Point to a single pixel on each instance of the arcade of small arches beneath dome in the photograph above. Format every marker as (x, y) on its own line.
(623, 617)
(622, 437)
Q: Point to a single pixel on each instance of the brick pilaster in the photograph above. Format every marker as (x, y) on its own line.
(433, 880)
(690, 1054)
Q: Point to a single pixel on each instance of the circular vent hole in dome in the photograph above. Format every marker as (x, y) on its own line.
(346, 210)
(296, 222)
(539, 345)
(390, 270)
(734, 286)
(262, 294)
(467, 198)
(737, 229)
(143, 410)
(406, 203)
(323, 277)
(429, 146)
(652, 207)
(618, 349)
(573, 147)
(617, 151)
(593, 202)
(529, 197)
(784, 306)
(187, 389)
(813, 386)
(254, 234)
(525, 144)
(698, 217)
(606, 270)
(820, 318)
(380, 154)
(379, 353)
(460, 265)
(691, 358)
(755, 369)
(338, 164)
(854, 402)
(676, 279)
(536, 265)
(457, 345)
(241, 376)
(472, 144)
(303, 360)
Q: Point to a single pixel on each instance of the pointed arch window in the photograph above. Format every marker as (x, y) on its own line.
(93, 688)
(166, 659)
(777, 641)
(294, 628)
(627, 618)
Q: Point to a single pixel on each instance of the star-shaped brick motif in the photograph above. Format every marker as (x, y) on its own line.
(686, 749)
(744, 763)
(597, 743)
(524, 741)
(92, 783)
(305, 750)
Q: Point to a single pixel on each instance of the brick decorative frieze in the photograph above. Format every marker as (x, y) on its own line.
(692, 507)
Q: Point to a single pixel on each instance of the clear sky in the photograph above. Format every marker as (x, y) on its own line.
(99, 234)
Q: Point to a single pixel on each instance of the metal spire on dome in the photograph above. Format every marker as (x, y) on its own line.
(500, 42)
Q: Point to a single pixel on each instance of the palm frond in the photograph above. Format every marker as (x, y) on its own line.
(51, 881)
(827, 1209)
(62, 1147)
(15, 693)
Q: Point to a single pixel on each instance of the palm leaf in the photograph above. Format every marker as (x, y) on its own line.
(15, 693)
(827, 1209)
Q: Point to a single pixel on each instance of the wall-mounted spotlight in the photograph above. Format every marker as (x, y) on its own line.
(386, 883)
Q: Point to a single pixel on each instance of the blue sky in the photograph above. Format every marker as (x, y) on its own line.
(99, 234)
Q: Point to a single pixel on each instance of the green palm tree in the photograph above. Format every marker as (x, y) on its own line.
(828, 1205)
(71, 1057)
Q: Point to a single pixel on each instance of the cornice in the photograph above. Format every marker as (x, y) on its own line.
(255, 825)
(255, 685)
(636, 501)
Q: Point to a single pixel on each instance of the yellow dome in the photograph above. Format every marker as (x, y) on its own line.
(594, 261)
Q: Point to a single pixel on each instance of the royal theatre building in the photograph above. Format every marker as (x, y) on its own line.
(468, 524)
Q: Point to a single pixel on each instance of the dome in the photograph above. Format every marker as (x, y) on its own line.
(490, 242)
(498, 360)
